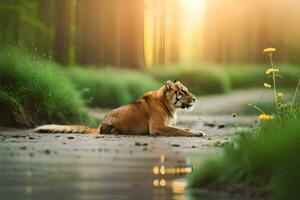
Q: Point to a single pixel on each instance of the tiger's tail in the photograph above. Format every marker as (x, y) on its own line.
(53, 128)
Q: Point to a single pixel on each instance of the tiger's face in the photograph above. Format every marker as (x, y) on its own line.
(178, 95)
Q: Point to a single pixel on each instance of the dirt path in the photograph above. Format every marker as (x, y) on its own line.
(72, 166)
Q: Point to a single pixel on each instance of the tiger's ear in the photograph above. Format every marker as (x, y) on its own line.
(169, 85)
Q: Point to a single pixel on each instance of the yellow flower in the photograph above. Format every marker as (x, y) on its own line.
(280, 94)
(266, 85)
(265, 117)
(270, 71)
(269, 50)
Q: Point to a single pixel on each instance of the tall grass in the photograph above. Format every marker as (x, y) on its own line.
(39, 88)
(108, 87)
(199, 79)
(204, 79)
(46, 92)
(253, 75)
(112, 87)
(263, 162)
(12, 113)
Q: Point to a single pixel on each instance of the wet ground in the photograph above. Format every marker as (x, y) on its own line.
(74, 166)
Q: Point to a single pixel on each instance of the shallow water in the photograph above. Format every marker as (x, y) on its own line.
(51, 166)
(58, 166)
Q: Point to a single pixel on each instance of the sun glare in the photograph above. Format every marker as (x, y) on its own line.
(191, 29)
(193, 7)
(175, 24)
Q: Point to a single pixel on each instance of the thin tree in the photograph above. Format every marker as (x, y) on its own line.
(62, 32)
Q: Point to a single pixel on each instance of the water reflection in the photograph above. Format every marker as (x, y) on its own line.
(167, 176)
(155, 170)
(178, 186)
(28, 189)
(171, 170)
(146, 175)
(163, 170)
(159, 182)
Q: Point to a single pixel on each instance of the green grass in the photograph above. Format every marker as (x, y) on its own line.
(204, 79)
(108, 87)
(12, 113)
(36, 90)
(199, 79)
(44, 92)
(253, 75)
(264, 161)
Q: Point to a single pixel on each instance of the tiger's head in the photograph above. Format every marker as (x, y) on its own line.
(178, 95)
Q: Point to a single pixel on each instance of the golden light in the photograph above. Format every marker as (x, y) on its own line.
(178, 186)
(162, 158)
(162, 170)
(159, 183)
(162, 182)
(194, 7)
(155, 170)
(175, 25)
(156, 183)
(190, 35)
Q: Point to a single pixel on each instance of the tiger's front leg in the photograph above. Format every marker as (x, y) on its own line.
(166, 130)
(195, 131)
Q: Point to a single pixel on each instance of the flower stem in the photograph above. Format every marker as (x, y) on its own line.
(295, 95)
(274, 83)
(261, 95)
(257, 108)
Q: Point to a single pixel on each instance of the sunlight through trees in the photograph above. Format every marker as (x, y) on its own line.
(145, 33)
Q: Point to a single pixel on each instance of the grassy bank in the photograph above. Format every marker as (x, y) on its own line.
(109, 87)
(263, 162)
(250, 75)
(34, 91)
(200, 80)
(212, 79)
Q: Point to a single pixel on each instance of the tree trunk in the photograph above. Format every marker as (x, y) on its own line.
(132, 34)
(46, 14)
(62, 32)
(110, 33)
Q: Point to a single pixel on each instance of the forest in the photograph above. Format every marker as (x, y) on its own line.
(141, 34)
(70, 63)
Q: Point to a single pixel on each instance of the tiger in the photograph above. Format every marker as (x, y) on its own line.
(152, 114)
